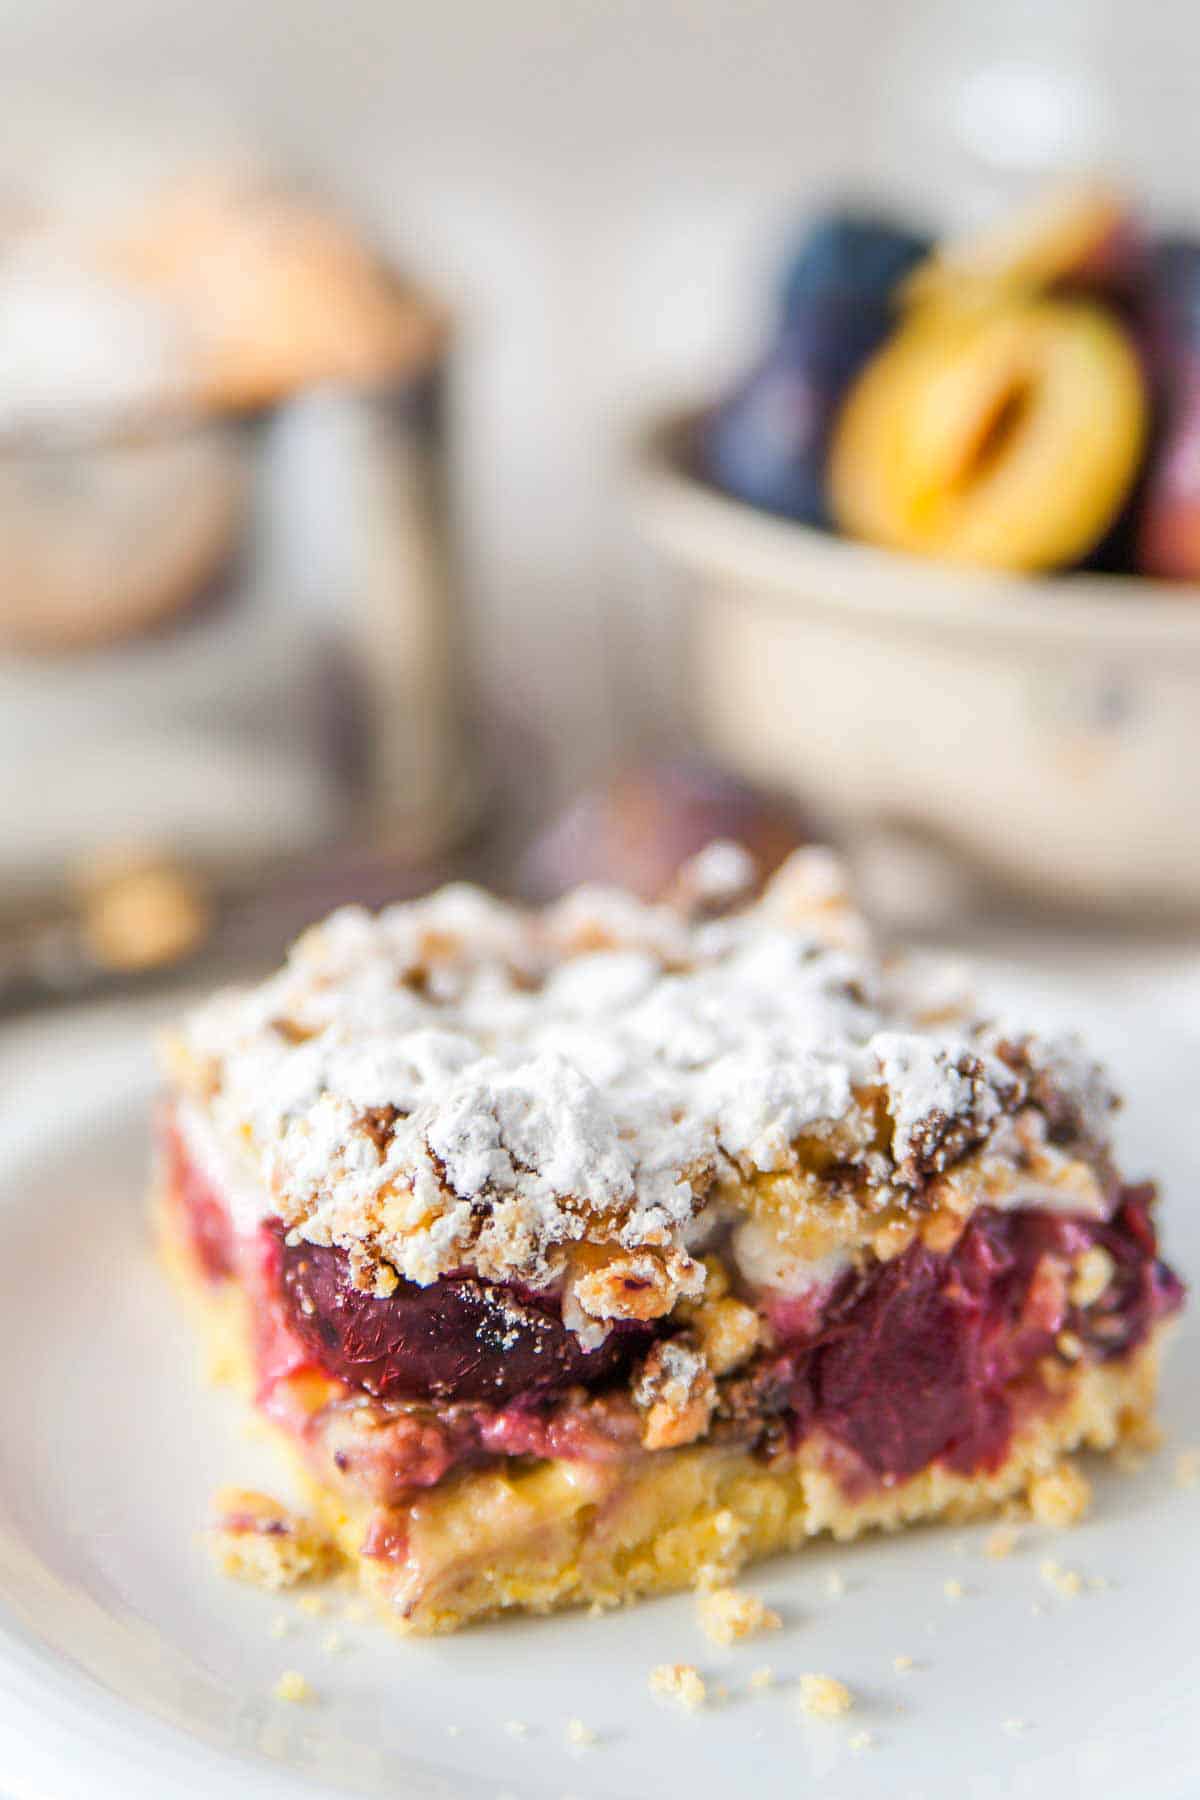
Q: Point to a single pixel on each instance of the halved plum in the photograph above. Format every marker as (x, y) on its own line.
(458, 1339)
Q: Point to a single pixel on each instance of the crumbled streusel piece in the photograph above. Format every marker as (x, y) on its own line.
(1093, 1272)
(581, 1736)
(677, 1394)
(953, 1589)
(761, 1679)
(824, 1697)
(862, 1740)
(728, 1332)
(293, 1687)
(679, 1681)
(1061, 1497)
(256, 1538)
(728, 1616)
(903, 1664)
(1001, 1542)
(1067, 1582)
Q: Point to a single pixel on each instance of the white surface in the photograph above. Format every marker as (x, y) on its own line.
(129, 1671)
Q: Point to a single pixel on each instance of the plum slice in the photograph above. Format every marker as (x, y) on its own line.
(458, 1339)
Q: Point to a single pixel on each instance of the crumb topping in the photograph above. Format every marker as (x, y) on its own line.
(577, 1096)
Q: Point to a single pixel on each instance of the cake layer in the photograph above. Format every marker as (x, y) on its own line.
(537, 1535)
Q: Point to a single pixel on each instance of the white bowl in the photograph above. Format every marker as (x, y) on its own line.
(1047, 727)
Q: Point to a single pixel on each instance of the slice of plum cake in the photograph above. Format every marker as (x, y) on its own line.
(585, 1253)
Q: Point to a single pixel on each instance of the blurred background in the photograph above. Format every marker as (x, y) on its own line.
(426, 448)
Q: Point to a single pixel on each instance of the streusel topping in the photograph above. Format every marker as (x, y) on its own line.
(583, 1095)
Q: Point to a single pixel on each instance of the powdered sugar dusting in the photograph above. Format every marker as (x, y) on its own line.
(577, 1094)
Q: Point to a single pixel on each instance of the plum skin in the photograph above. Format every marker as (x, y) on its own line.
(767, 441)
(459, 1338)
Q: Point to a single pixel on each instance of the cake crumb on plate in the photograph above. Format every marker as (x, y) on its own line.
(1061, 1497)
(1067, 1582)
(1187, 1468)
(1001, 1542)
(679, 1681)
(729, 1616)
(824, 1697)
(258, 1539)
(293, 1687)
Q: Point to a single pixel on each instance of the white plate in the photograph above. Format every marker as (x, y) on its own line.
(130, 1671)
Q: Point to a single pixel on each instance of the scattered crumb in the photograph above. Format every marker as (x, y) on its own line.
(581, 1736)
(762, 1678)
(516, 1728)
(835, 1584)
(1067, 1582)
(1187, 1468)
(824, 1698)
(728, 1616)
(454, 1731)
(293, 1687)
(953, 1589)
(862, 1740)
(256, 1538)
(311, 1605)
(280, 1626)
(1015, 1727)
(902, 1664)
(332, 1642)
(679, 1681)
(719, 1692)
(1061, 1497)
(1001, 1542)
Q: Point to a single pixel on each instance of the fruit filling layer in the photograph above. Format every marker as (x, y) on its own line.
(934, 1356)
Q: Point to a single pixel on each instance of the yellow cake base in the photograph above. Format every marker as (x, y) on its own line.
(538, 1536)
